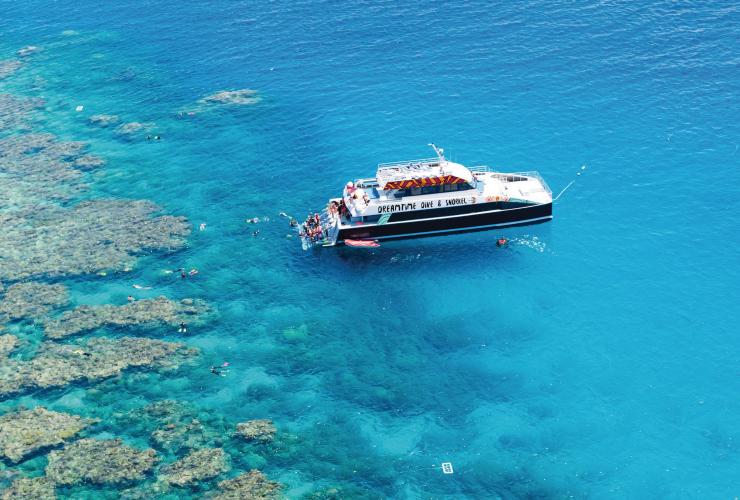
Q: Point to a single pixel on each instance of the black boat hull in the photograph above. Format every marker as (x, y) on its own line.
(477, 221)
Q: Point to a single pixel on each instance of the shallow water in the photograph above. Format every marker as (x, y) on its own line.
(594, 357)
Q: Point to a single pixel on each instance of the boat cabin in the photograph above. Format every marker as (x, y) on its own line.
(408, 185)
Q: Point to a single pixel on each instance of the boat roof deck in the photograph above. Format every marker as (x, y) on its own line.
(426, 168)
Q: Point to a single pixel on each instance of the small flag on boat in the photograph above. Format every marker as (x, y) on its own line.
(362, 243)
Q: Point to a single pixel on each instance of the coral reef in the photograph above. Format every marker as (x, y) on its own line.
(175, 426)
(199, 465)
(132, 128)
(341, 492)
(148, 312)
(181, 435)
(89, 162)
(28, 50)
(31, 300)
(253, 485)
(30, 488)
(25, 432)
(99, 462)
(57, 365)
(262, 431)
(39, 169)
(8, 67)
(14, 111)
(7, 344)
(90, 237)
(103, 120)
(238, 97)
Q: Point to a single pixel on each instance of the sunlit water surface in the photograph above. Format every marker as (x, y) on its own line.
(596, 356)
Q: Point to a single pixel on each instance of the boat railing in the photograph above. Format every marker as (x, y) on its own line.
(327, 218)
(400, 170)
(523, 176)
(409, 164)
(367, 183)
(479, 169)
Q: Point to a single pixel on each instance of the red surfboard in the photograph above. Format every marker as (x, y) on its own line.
(362, 243)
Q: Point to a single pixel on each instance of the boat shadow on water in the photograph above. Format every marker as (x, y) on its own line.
(458, 252)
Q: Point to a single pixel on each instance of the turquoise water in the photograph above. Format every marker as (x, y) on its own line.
(594, 357)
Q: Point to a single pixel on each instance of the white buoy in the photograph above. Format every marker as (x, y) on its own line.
(79, 108)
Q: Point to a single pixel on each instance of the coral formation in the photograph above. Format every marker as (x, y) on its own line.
(14, 111)
(90, 237)
(9, 67)
(31, 300)
(25, 432)
(262, 430)
(253, 485)
(199, 465)
(57, 365)
(134, 128)
(340, 492)
(148, 312)
(30, 488)
(175, 426)
(28, 50)
(239, 97)
(88, 162)
(103, 120)
(180, 435)
(99, 462)
(7, 344)
(39, 169)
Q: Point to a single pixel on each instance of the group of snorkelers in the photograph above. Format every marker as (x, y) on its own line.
(312, 228)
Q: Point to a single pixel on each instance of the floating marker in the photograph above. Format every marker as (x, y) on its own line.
(447, 468)
(79, 108)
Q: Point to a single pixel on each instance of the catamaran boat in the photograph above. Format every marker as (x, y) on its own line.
(428, 197)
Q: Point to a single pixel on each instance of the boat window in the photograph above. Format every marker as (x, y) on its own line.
(371, 218)
(430, 189)
(450, 187)
(415, 191)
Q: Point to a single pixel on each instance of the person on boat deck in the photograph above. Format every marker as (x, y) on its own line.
(309, 221)
(350, 188)
(359, 195)
(333, 209)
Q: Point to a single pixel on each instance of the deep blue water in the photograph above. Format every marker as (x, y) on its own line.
(595, 357)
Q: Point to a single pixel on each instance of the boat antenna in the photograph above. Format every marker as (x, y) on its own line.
(440, 152)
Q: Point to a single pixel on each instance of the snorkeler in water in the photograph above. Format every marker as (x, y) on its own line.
(220, 370)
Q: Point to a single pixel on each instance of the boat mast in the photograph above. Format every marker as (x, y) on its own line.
(439, 151)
